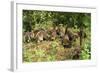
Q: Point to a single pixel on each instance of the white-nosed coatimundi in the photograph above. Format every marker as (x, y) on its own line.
(36, 35)
(53, 34)
(28, 36)
(68, 38)
(56, 32)
(66, 42)
(60, 32)
(41, 35)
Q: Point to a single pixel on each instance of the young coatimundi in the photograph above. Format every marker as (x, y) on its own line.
(66, 39)
(28, 36)
(41, 35)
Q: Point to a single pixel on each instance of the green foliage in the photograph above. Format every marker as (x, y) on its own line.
(51, 58)
(43, 19)
(86, 52)
(27, 55)
(39, 53)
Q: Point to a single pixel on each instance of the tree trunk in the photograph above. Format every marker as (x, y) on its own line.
(81, 35)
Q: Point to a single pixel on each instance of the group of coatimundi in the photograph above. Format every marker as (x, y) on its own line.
(66, 36)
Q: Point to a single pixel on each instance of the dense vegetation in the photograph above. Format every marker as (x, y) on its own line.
(56, 36)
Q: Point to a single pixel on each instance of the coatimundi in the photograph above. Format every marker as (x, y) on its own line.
(41, 35)
(68, 38)
(28, 36)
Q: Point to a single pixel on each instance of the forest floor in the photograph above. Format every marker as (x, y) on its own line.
(46, 51)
